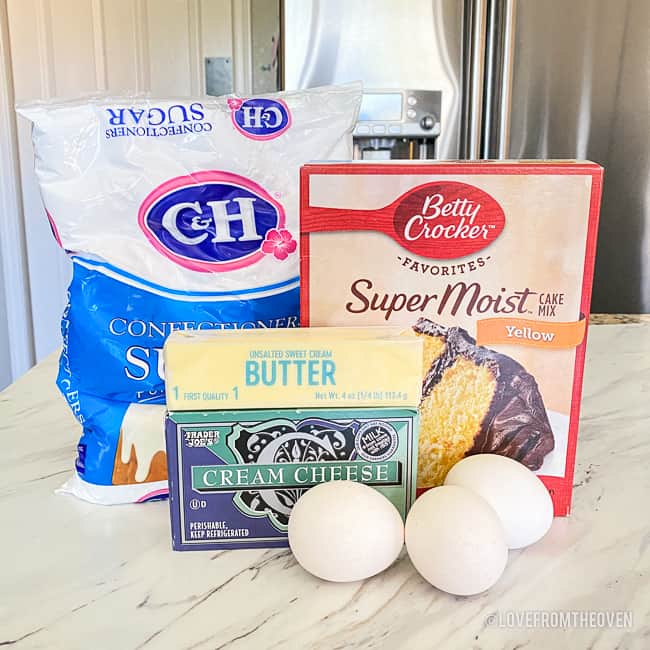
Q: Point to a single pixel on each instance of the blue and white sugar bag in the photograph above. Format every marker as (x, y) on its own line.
(177, 214)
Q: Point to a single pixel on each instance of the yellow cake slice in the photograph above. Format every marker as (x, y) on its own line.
(475, 400)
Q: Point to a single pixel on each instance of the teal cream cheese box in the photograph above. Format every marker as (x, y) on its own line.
(257, 417)
(235, 475)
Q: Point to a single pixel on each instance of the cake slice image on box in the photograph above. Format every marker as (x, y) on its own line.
(475, 400)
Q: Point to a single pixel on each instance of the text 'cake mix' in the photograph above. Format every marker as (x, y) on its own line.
(491, 264)
(179, 214)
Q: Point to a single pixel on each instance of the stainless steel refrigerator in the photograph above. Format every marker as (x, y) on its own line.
(513, 79)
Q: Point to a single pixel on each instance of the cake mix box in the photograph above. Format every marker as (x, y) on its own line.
(491, 265)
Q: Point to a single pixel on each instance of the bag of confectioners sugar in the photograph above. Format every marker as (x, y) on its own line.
(177, 214)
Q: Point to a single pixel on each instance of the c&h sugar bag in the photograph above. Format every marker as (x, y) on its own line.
(177, 214)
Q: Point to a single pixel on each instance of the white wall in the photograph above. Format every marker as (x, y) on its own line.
(6, 371)
(67, 47)
(5, 359)
(16, 341)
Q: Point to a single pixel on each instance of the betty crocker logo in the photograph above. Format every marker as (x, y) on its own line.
(447, 219)
(215, 221)
(260, 118)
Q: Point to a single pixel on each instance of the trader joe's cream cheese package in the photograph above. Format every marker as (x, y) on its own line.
(178, 214)
(491, 265)
(258, 417)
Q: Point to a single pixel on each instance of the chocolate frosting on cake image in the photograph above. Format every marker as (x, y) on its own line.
(475, 400)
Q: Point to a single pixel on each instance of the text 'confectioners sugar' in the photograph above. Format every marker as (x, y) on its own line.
(178, 214)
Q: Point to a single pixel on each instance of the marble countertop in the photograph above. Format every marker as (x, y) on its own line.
(618, 319)
(74, 575)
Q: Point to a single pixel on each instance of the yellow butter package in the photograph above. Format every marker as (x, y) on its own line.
(298, 368)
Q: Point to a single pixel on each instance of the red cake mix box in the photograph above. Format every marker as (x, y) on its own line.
(491, 263)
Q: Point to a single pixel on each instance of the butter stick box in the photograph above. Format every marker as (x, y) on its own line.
(490, 264)
(256, 418)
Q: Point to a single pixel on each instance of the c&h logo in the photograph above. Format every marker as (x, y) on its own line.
(215, 221)
(260, 118)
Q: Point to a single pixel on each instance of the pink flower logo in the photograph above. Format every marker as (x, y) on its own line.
(234, 103)
(279, 243)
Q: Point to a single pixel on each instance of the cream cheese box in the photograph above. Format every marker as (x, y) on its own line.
(258, 417)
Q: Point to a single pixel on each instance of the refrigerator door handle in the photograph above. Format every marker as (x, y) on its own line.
(473, 57)
(499, 51)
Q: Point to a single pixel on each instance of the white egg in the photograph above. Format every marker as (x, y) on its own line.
(345, 531)
(517, 495)
(456, 541)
